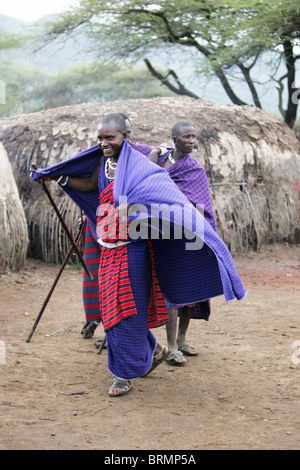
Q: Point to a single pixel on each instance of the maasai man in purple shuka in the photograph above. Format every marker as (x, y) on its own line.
(192, 276)
(191, 179)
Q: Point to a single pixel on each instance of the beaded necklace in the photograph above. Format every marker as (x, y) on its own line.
(112, 165)
(171, 159)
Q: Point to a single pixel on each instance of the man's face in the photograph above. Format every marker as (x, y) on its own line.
(110, 139)
(185, 140)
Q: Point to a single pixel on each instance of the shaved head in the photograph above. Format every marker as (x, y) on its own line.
(120, 120)
(179, 126)
(184, 138)
(117, 119)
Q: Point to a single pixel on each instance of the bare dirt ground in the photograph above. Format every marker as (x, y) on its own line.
(241, 392)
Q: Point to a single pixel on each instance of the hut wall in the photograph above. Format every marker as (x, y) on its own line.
(13, 234)
(252, 160)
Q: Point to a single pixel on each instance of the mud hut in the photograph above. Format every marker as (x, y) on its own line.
(13, 234)
(252, 160)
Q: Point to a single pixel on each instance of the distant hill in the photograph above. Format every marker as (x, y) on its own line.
(56, 56)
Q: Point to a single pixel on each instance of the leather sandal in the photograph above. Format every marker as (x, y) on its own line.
(176, 358)
(123, 385)
(158, 359)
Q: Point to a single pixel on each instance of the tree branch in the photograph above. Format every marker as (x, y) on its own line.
(246, 72)
(217, 69)
(180, 90)
(280, 89)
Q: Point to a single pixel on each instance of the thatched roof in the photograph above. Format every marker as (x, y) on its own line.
(252, 161)
(13, 234)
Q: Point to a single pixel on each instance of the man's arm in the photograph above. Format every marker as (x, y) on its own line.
(151, 152)
(85, 184)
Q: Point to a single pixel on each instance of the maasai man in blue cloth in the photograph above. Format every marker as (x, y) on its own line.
(125, 267)
(191, 179)
(133, 271)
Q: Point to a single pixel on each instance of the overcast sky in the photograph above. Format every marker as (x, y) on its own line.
(32, 10)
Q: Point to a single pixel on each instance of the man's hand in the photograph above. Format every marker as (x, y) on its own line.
(154, 154)
(41, 179)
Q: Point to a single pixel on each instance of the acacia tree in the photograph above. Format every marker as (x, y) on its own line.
(275, 25)
(230, 35)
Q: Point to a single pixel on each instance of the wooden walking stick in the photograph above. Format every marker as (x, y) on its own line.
(71, 249)
(90, 276)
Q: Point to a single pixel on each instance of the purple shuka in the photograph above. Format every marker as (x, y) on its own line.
(191, 179)
(190, 276)
(193, 275)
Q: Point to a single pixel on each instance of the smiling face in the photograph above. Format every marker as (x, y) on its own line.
(185, 139)
(110, 139)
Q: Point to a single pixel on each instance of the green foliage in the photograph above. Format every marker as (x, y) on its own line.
(8, 41)
(227, 39)
(230, 34)
(30, 90)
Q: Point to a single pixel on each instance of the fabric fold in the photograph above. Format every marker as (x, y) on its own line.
(185, 275)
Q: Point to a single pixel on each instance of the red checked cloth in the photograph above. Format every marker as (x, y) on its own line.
(115, 293)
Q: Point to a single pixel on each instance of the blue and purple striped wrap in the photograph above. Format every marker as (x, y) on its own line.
(191, 179)
(185, 276)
